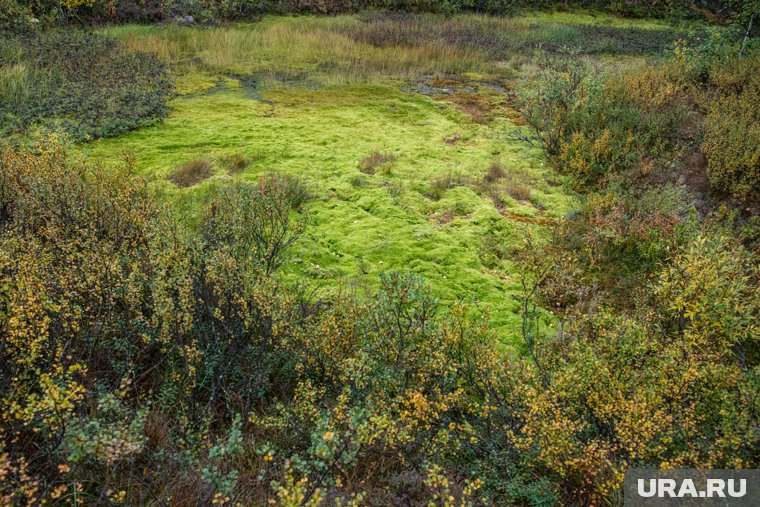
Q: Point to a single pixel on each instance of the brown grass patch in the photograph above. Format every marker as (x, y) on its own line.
(514, 116)
(477, 106)
(518, 191)
(495, 172)
(371, 163)
(444, 82)
(544, 221)
(191, 173)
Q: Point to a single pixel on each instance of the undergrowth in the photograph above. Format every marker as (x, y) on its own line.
(78, 82)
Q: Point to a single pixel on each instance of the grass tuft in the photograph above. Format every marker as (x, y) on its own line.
(495, 173)
(518, 191)
(442, 183)
(191, 173)
(236, 163)
(371, 163)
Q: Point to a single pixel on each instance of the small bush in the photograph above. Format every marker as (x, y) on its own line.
(371, 163)
(732, 142)
(594, 128)
(191, 173)
(258, 220)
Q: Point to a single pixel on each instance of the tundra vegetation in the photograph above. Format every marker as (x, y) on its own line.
(440, 253)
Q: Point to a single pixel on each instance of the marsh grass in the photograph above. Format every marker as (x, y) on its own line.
(19, 83)
(507, 38)
(191, 173)
(321, 47)
(345, 50)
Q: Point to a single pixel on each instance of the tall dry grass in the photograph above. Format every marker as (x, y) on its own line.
(19, 83)
(322, 48)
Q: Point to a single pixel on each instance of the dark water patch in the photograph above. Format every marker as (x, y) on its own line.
(450, 84)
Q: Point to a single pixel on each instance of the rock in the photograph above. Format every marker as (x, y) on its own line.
(573, 214)
(34, 21)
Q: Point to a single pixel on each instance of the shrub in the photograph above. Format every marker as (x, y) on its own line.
(732, 134)
(598, 129)
(550, 101)
(256, 219)
(141, 360)
(191, 173)
(581, 420)
(15, 16)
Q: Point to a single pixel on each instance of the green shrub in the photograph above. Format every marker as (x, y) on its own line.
(596, 128)
(255, 220)
(15, 16)
(550, 101)
(731, 140)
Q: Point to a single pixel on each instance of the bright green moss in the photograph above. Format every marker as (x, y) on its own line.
(387, 222)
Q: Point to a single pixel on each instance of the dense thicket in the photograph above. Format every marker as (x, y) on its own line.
(690, 120)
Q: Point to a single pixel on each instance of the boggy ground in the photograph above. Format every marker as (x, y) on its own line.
(406, 138)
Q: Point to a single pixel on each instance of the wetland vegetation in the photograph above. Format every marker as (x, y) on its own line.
(448, 253)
